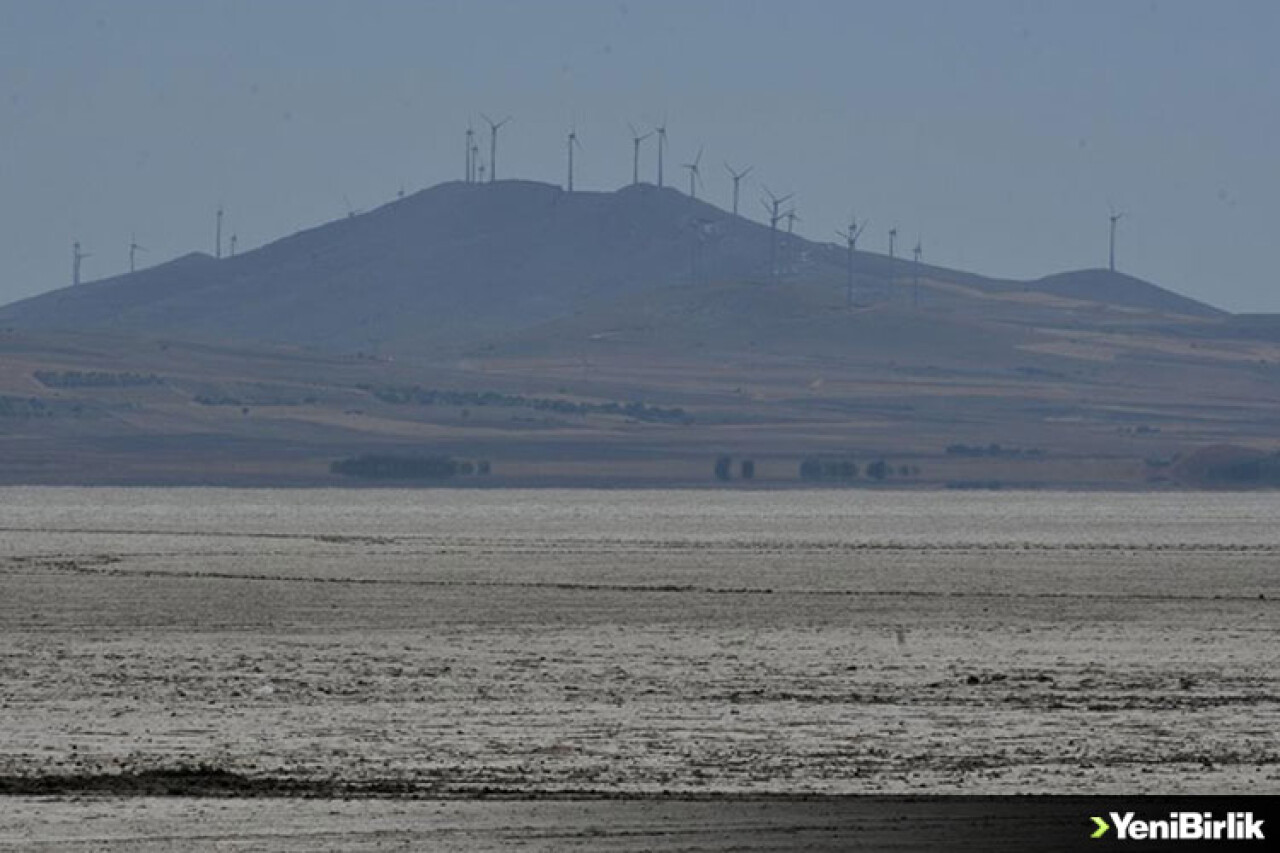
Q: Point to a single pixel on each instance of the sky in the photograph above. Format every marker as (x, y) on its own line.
(999, 133)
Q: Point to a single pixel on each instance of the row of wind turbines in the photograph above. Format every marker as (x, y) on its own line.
(78, 254)
(476, 171)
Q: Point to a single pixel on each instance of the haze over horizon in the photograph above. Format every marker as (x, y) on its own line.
(999, 132)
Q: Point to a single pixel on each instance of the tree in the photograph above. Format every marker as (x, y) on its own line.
(724, 467)
(811, 468)
(748, 469)
(878, 470)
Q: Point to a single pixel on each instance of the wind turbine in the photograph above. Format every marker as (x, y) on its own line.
(915, 290)
(475, 161)
(792, 255)
(134, 248)
(636, 139)
(494, 127)
(893, 236)
(851, 235)
(471, 153)
(233, 245)
(76, 257)
(772, 206)
(661, 130)
(217, 241)
(573, 143)
(1115, 218)
(737, 178)
(695, 176)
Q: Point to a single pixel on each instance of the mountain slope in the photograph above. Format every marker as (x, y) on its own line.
(460, 264)
(1119, 289)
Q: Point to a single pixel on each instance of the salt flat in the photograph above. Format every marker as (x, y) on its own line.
(603, 643)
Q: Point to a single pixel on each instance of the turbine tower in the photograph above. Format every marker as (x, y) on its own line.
(695, 176)
(851, 235)
(893, 237)
(773, 205)
(915, 290)
(134, 248)
(661, 130)
(737, 179)
(636, 139)
(573, 143)
(475, 162)
(217, 239)
(76, 257)
(470, 174)
(233, 245)
(1115, 218)
(494, 127)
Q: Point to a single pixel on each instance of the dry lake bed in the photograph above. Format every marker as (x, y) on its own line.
(394, 655)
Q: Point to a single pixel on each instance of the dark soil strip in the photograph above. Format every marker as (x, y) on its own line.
(200, 781)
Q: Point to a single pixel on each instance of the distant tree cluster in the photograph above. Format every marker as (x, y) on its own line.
(993, 450)
(95, 379)
(724, 468)
(819, 468)
(1251, 472)
(386, 466)
(837, 469)
(1140, 429)
(35, 407)
(1229, 467)
(24, 407)
(400, 395)
(259, 394)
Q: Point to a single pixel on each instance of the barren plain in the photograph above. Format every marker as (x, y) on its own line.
(427, 647)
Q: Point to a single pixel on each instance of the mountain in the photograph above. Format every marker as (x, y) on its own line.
(621, 338)
(462, 264)
(1114, 288)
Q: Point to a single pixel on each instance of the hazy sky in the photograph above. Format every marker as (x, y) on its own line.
(999, 131)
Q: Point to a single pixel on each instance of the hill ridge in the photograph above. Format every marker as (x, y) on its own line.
(457, 264)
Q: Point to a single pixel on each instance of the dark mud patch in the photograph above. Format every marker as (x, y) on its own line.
(199, 781)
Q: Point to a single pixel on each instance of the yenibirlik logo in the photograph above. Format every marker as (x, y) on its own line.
(1182, 826)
